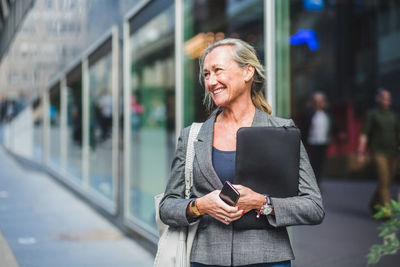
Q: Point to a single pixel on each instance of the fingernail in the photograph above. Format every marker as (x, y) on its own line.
(242, 213)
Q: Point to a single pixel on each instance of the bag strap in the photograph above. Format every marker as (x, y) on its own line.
(194, 130)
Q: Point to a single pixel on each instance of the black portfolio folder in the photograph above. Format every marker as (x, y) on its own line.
(267, 161)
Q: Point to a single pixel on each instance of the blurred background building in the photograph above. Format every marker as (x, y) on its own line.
(108, 85)
(53, 34)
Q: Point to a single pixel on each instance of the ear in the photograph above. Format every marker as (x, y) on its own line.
(248, 73)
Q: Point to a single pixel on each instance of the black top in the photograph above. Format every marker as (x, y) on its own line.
(224, 164)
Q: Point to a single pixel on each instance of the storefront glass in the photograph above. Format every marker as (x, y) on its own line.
(100, 127)
(345, 49)
(74, 124)
(206, 21)
(54, 118)
(152, 107)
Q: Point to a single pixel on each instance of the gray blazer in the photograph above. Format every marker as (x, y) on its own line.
(219, 244)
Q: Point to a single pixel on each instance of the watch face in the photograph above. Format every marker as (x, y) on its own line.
(267, 209)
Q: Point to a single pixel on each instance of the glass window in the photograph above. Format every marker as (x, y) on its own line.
(74, 124)
(152, 107)
(100, 127)
(344, 50)
(49, 4)
(206, 21)
(54, 117)
(37, 130)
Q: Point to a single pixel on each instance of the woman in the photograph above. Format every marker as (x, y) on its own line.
(234, 79)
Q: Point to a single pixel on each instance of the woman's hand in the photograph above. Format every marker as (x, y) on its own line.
(213, 205)
(249, 200)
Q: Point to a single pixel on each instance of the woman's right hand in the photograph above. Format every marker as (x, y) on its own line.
(213, 205)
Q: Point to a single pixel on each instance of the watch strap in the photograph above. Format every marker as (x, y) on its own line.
(268, 199)
(194, 207)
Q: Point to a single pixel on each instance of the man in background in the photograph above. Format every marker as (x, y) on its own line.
(381, 132)
(316, 127)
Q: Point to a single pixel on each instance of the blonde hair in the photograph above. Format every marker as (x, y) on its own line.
(244, 55)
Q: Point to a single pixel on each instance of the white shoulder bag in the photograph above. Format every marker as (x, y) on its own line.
(175, 243)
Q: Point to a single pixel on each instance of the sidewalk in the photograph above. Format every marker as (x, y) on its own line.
(46, 226)
(6, 255)
(347, 232)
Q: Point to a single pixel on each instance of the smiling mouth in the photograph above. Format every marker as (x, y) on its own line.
(217, 91)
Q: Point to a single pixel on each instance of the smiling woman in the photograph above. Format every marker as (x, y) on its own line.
(233, 78)
(222, 75)
(209, 21)
(241, 57)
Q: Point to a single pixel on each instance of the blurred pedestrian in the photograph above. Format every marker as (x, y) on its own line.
(234, 81)
(104, 105)
(381, 132)
(3, 109)
(317, 127)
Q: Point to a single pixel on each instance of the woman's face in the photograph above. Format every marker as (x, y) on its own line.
(224, 79)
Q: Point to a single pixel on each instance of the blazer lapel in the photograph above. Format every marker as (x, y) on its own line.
(261, 119)
(203, 150)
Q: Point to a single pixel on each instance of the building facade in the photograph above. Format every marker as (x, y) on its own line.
(107, 124)
(52, 35)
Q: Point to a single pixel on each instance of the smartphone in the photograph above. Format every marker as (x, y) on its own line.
(229, 194)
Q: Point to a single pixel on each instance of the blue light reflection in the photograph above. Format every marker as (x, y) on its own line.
(304, 36)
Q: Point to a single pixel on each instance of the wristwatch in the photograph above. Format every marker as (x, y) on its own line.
(194, 207)
(267, 208)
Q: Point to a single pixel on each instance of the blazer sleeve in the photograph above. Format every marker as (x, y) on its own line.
(173, 205)
(307, 207)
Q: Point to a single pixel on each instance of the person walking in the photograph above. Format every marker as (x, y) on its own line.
(234, 79)
(317, 127)
(381, 133)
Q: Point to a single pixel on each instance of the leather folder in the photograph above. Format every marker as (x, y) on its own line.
(267, 161)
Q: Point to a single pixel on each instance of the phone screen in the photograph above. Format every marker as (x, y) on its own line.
(229, 194)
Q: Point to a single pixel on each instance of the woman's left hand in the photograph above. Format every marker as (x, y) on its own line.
(249, 200)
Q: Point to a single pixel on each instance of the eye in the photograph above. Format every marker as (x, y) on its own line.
(206, 74)
(218, 70)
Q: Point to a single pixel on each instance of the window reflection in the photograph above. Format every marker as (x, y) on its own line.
(207, 21)
(54, 117)
(74, 127)
(37, 130)
(356, 55)
(100, 127)
(152, 107)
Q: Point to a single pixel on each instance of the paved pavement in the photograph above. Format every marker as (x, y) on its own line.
(6, 255)
(347, 232)
(43, 224)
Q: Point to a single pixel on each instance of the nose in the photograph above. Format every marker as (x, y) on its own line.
(211, 80)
